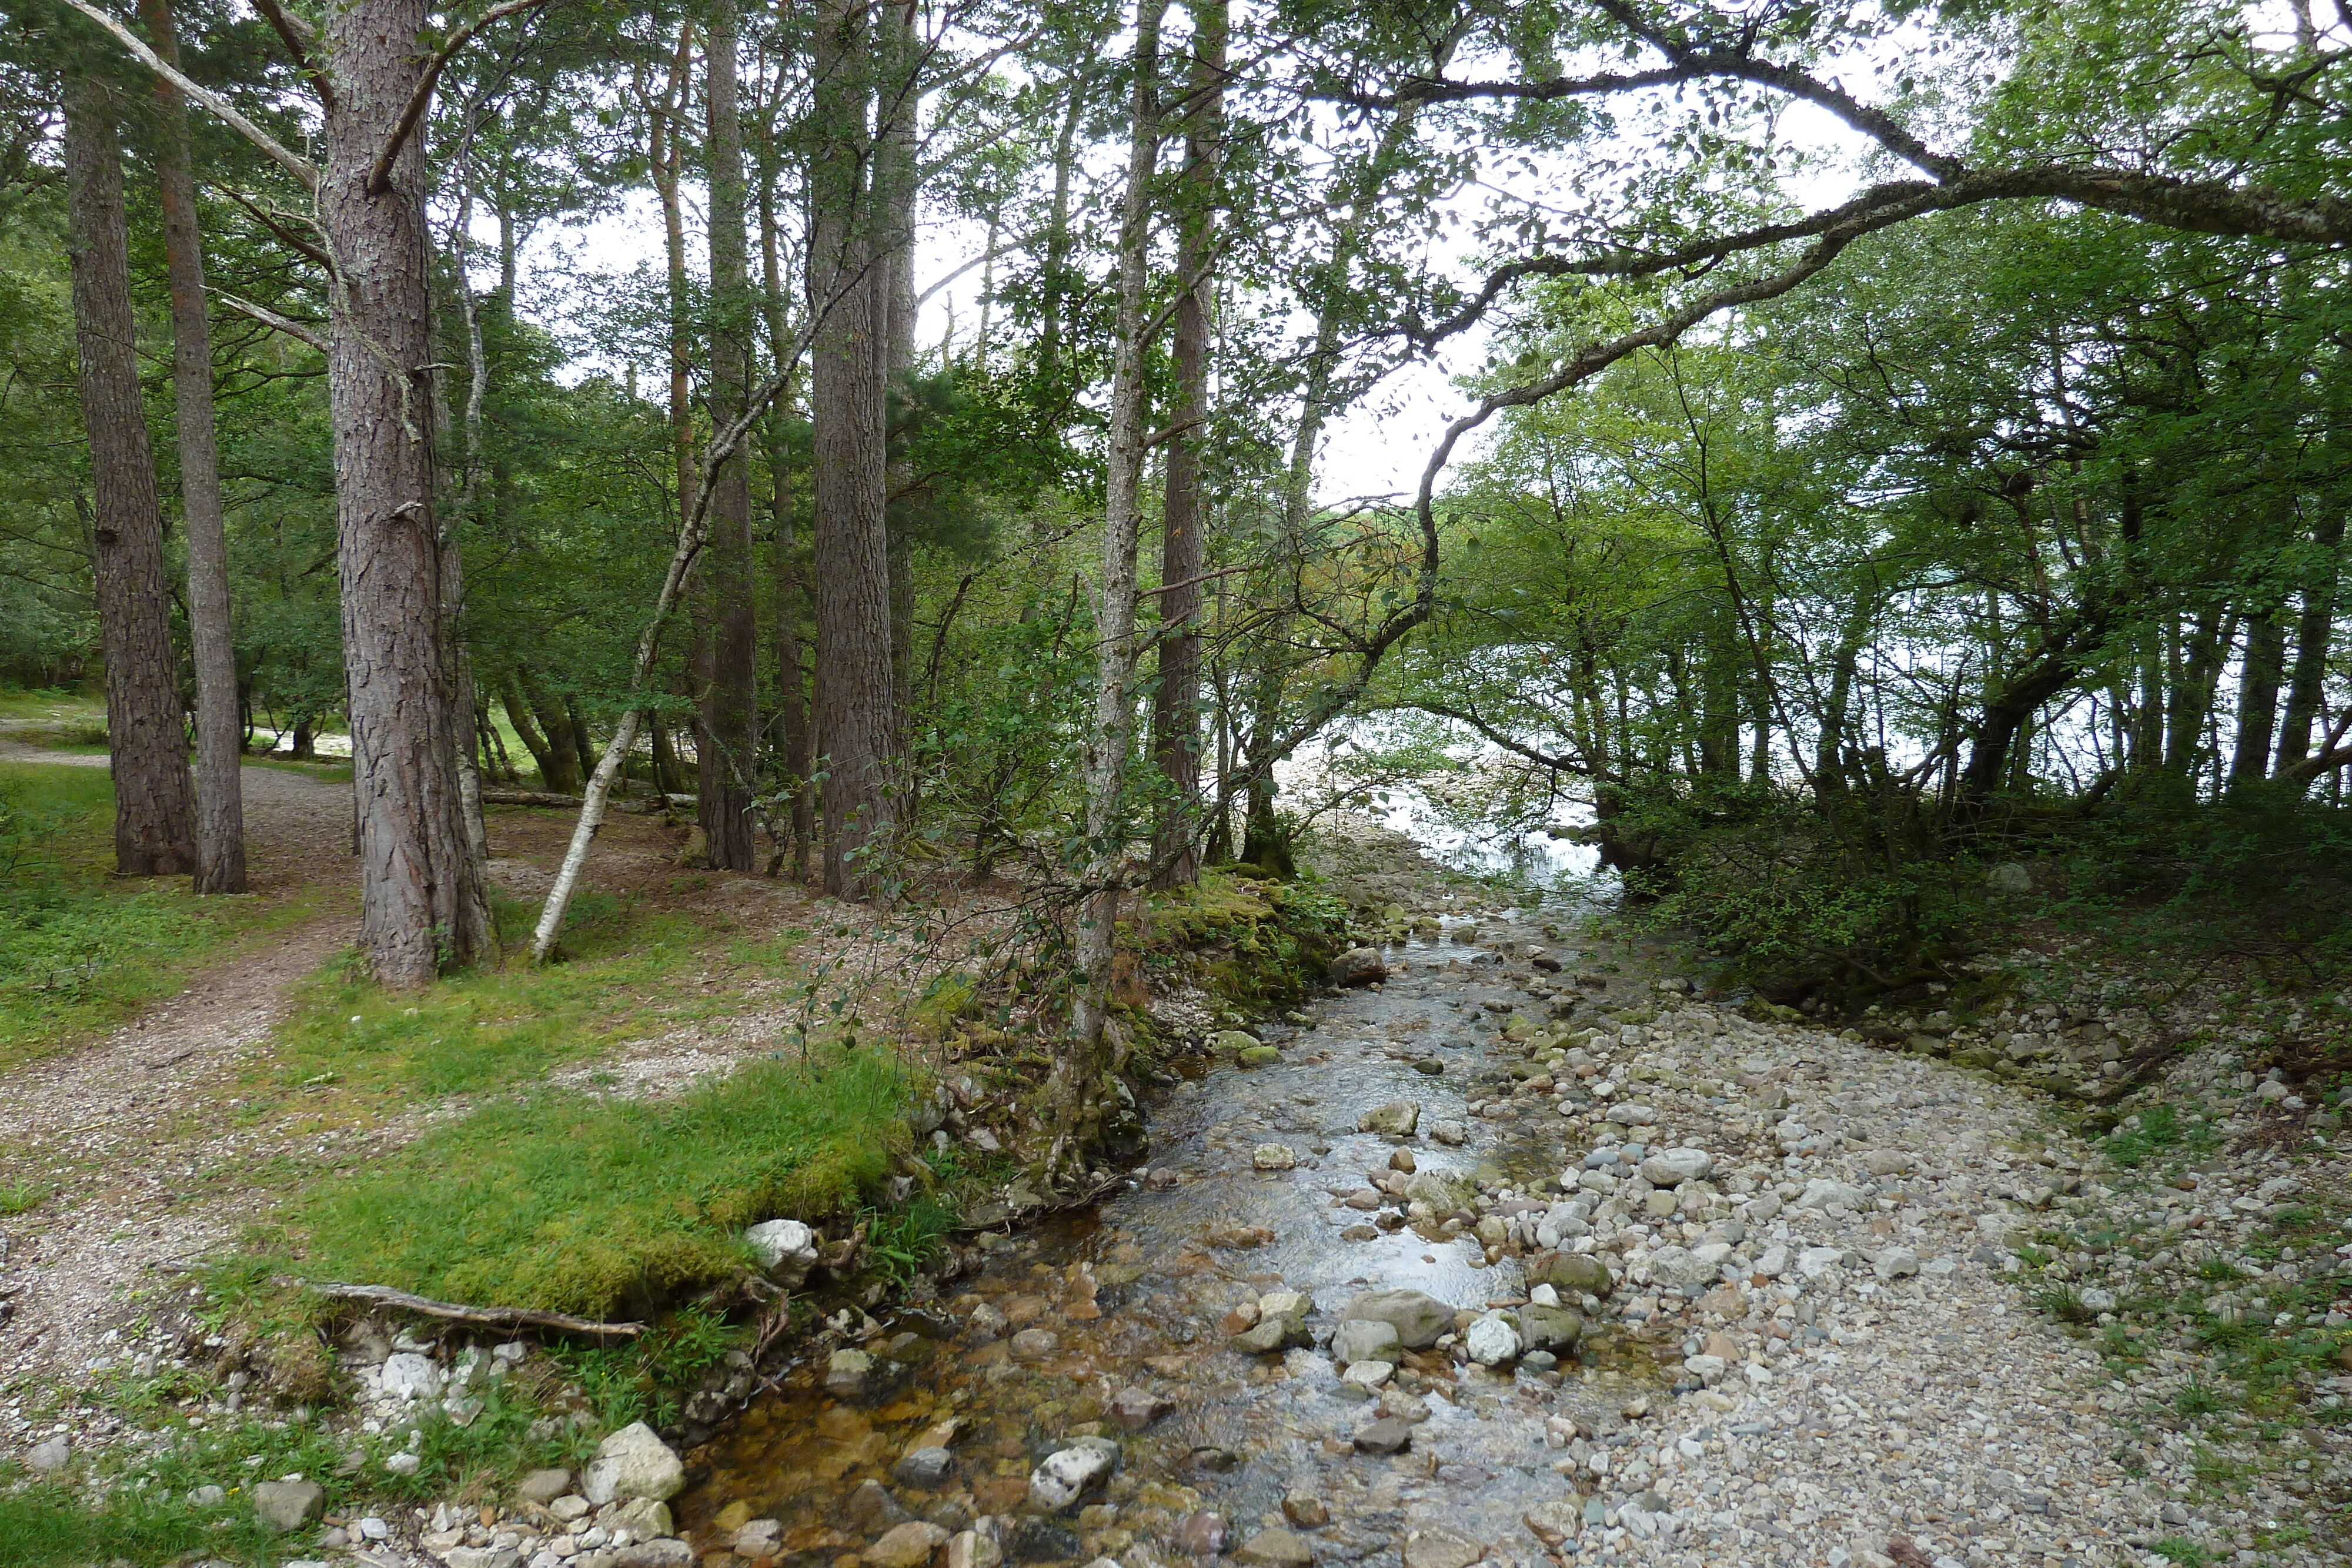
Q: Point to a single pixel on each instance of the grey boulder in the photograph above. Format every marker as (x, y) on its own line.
(282, 1506)
(1366, 1339)
(633, 1462)
(1418, 1318)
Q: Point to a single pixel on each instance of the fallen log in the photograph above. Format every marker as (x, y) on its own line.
(486, 1317)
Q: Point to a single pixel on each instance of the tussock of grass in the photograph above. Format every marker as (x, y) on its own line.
(562, 1201)
(78, 949)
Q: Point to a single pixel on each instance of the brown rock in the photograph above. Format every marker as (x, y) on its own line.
(1135, 1409)
(1305, 1510)
(1440, 1549)
(1200, 1534)
(1274, 1548)
(909, 1545)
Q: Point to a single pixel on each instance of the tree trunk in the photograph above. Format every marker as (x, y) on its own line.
(731, 714)
(1176, 705)
(792, 699)
(895, 180)
(2258, 690)
(665, 153)
(518, 707)
(584, 746)
(421, 894)
(2315, 633)
(559, 753)
(147, 750)
(2196, 674)
(220, 790)
(1054, 283)
(1829, 752)
(1078, 1088)
(854, 696)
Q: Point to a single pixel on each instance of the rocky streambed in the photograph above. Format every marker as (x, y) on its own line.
(1522, 1255)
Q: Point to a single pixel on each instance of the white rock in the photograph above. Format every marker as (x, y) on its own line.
(1631, 1115)
(1285, 1304)
(1672, 1167)
(1272, 1157)
(785, 1248)
(1677, 1267)
(633, 1462)
(1369, 1374)
(1064, 1477)
(1896, 1263)
(1815, 1262)
(410, 1376)
(1822, 1193)
(1492, 1340)
(1774, 1262)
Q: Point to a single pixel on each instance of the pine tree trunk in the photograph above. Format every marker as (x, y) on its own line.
(154, 828)
(856, 701)
(420, 890)
(894, 276)
(731, 714)
(792, 699)
(1176, 705)
(220, 789)
(1078, 1088)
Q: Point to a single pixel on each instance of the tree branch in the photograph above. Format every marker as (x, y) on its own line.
(271, 319)
(298, 36)
(379, 179)
(486, 1317)
(294, 163)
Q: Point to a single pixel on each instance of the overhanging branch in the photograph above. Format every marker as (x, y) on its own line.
(293, 162)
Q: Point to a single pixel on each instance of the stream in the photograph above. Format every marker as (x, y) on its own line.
(1113, 1322)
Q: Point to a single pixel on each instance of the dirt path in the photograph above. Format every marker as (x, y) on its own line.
(108, 1123)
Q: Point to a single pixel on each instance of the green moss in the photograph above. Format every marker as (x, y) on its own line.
(1255, 942)
(562, 1201)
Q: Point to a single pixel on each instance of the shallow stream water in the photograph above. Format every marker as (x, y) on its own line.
(1135, 1290)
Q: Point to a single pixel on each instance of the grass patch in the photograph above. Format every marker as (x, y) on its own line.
(21, 1197)
(349, 1043)
(153, 1513)
(559, 1200)
(2159, 1132)
(80, 949)
(45, 1524)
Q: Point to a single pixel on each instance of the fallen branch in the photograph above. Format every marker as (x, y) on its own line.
(530, 798)
(489, 1317)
